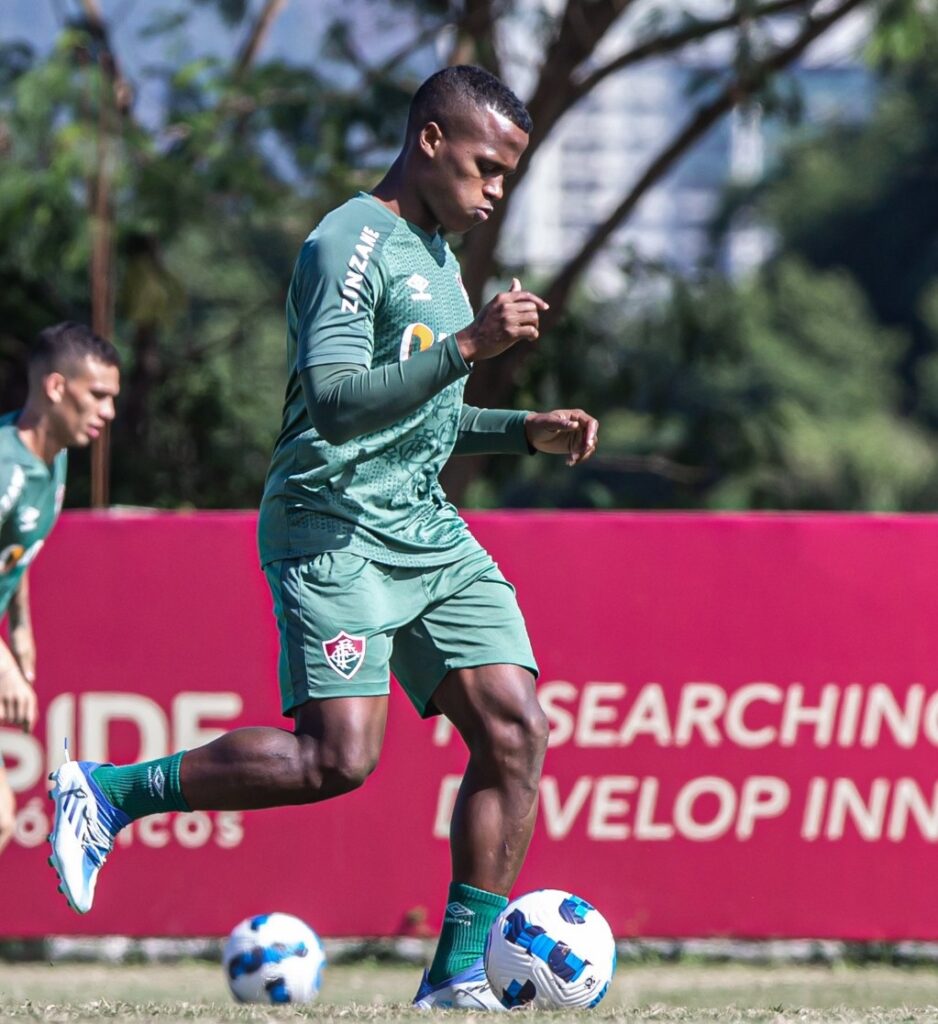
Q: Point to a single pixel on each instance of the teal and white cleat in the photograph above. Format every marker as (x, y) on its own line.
(83, 831)
(468, 990)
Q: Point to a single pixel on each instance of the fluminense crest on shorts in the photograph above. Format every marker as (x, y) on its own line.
(345, 653)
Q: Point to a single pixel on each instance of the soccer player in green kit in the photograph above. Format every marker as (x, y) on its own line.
(370, 567)
(73, 380)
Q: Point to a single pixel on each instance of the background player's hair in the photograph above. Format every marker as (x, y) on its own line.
(443, 94)
(62, 346)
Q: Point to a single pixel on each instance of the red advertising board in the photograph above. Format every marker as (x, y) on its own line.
(743, 709)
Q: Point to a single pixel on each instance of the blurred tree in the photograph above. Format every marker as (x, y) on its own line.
(860, 204)
(865, 200)
(201, 220)
(199, 216)
(780, 393)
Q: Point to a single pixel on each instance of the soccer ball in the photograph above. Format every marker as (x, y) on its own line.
(551, 949)
(273, 958)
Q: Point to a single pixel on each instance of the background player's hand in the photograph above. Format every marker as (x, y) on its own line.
(507, 319)
(570, 432)
(18, 705)
(7, 811)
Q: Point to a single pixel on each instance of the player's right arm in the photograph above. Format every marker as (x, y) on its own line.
(347, 398)
(505, 320)
(338, 286)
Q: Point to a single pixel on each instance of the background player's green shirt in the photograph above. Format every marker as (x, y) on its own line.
(31, 494)
(371, 289)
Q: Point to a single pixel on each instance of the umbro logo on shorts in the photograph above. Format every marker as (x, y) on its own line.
(345, 653)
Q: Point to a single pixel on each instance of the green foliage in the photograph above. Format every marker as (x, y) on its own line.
(812, 385)
(780, 393)
(207, 217)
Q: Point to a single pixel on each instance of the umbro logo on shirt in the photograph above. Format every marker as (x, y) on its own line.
(28, 518)
(419, 286)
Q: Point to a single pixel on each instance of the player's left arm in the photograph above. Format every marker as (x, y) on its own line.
(570, 432)
(492, 432)
(22, 642)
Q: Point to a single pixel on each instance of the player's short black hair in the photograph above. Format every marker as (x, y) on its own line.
(62, 345)
(442, 94)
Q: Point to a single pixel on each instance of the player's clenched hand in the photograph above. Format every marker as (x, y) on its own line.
(569, 432)
(17, 698)
(501, 323)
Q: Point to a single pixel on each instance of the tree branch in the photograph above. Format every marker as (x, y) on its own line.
(258, 33)
(681, 37)
(475, 36)
(123, 91)
(581, 27)
(705, 117)
(558, 91)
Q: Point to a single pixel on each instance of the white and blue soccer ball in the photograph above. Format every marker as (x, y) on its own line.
(273, 958)
(550, 949)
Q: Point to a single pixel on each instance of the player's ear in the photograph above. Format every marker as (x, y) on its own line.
(53, 386)
(430, 138)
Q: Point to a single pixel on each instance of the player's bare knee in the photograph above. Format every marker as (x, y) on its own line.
(518, 741)
(345, 770)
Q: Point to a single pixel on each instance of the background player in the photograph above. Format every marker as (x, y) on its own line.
(368, 564)
(73, 381)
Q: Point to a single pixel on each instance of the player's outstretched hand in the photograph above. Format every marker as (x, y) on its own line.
(17, 698)
(569, 432)
(507, 319)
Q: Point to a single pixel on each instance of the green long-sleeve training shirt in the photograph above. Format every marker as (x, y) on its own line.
(373, 406)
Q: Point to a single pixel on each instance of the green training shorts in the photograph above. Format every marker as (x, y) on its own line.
(344, 620)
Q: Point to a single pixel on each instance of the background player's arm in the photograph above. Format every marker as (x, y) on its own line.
(17, 698)
(7, 810)
(346, 400)
(22, 642)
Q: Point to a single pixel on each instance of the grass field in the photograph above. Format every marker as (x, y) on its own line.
(72, 993)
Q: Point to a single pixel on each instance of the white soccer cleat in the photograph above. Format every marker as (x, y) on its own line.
(83, 831)
(468, 990)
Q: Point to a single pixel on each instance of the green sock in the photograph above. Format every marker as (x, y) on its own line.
(142, 789)
(469, 915)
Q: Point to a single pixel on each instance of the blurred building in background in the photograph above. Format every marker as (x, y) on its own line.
(604, 145)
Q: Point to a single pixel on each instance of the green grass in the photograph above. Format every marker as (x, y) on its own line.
(668, 993)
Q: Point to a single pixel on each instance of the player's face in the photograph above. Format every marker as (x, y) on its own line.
(84, 401)
(468, 169)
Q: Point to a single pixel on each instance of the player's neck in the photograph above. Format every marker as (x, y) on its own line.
(395, 192)
(37, 436)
